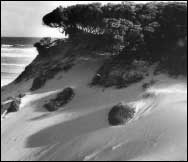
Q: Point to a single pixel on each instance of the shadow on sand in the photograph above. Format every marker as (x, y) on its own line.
(69, 130)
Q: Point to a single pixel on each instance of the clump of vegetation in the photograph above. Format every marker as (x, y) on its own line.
(21, 95)
(68, 66)
(14, 106)
(151, 32)
(148, 84)
(119, 73)
(48, 46)
(120, 114)
(50, 72)
(11, 105)
(38, 82)
(61, 99)
(155, 32)
(148, 95)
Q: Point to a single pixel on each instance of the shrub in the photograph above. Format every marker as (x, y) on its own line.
(68, 67)
(65, 95)
(38, 82)
(120, 77)
(14, 106)
(21, 95)
(61, 99)
(10, 105)
(51, 106)
(120, 114)
(46, 41)
(121, 82)
(134, 76)
(50, 72)
(148, 95)
(148, 84)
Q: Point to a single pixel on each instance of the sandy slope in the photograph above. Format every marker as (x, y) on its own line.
(80, 131)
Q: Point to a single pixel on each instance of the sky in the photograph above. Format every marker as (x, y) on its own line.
(24, 18)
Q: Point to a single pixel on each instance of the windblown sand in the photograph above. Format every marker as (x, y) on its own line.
(80, 130)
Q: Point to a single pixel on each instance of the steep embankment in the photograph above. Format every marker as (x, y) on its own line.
(80, 130)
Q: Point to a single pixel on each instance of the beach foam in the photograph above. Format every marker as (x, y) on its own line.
(14, 60)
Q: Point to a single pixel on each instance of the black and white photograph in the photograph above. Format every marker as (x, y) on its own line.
(93, 80)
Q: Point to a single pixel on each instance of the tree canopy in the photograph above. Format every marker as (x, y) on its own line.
(126, 27)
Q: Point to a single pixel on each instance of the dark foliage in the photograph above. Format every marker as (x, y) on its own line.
(120, 73)
(120, 114)
(156, 32)
(38, 82)
(148, 95)
(61, 99)
(21, 95)
(50, 72)
(67, 67)
(14, 106)
(148, 84)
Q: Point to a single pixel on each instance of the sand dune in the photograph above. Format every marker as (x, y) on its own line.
(80, 130)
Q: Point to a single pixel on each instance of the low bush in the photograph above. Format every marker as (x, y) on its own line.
(21, 95)
(148, 84)
(14, 106)
(67, 67)
(38, 82)
(120, 114)
(61, 99)
(148, 95)
(119, 73)
(11, 105)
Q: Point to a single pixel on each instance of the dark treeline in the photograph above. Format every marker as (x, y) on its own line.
(152, 31)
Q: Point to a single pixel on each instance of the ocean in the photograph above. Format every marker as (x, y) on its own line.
(16, 54)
